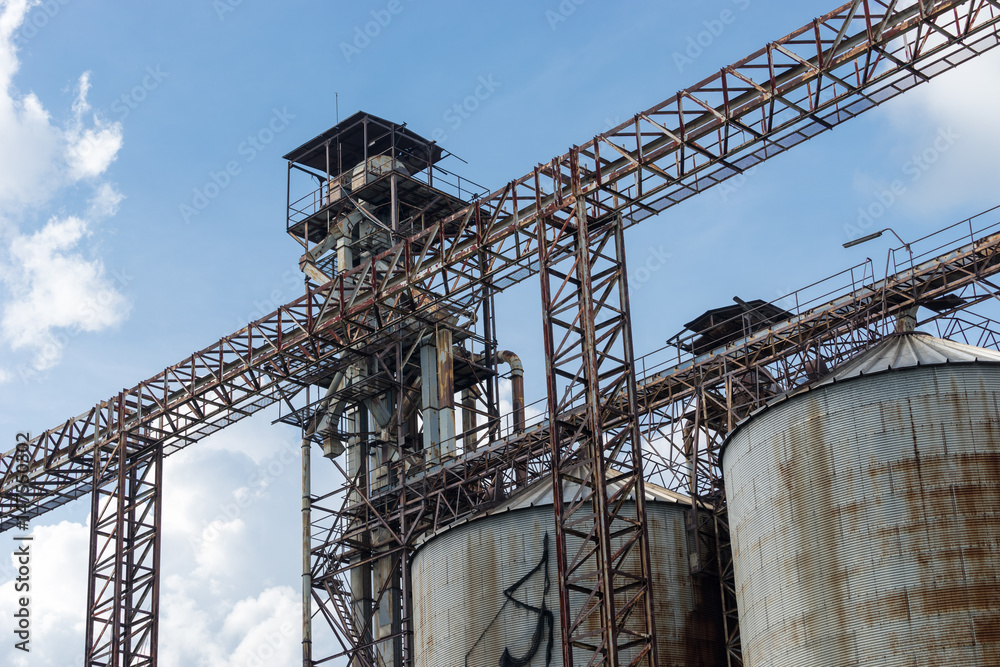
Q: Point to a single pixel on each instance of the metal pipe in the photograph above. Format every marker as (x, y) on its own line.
(516, 385)
(446, 392)
(517, 399)
(306, 560)
(470, 397)
(361, 575)
(430, 402)
(394, 206)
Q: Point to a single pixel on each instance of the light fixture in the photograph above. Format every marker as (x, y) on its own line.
(875, 235)
(863, 239)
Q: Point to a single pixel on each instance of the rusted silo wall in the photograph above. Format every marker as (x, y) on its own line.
(865, 520)
(490, 586)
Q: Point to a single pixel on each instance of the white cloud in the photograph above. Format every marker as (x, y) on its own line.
(230, 523)
(227, 599)
(105, 202)
(29, 161)
(54, 286)
(950, 137)
(258, 630)
(90, 150)
(58, 596)
(261, 446)
(55, 292)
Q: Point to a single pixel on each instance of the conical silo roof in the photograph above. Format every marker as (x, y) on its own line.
(908, 349)
(904, 350)
(539, 494)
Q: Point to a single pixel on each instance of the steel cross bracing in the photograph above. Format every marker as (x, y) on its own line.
(688, 405)
(831, 70)
(602, 544)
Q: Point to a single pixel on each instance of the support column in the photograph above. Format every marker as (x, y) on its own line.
(306, 553)
(361, 575)
(602, 544)
(446, 393)
(123, 593)
(430, 404)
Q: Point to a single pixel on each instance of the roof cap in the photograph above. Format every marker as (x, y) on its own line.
(540, 493)
(907, 349)
(364, 135)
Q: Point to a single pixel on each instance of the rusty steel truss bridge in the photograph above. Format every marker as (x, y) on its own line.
(403, 264)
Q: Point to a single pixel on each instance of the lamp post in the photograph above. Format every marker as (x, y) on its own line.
(906, 321)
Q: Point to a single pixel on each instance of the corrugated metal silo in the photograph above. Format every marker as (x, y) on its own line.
(488, 588)
(865, 513)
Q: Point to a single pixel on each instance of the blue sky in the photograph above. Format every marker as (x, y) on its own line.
(115, 116)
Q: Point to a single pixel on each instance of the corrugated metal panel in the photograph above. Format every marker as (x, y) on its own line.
(865, 521)
(540, 493)
(908, 349)
(462, 615)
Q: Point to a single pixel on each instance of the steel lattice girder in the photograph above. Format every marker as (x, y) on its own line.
(864, 306)
(825, 73)
(832, 69)
(846, 324)
(589, 363)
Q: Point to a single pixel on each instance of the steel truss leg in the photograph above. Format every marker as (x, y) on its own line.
(123, 596)
(730, 615)
(602, 544)
(360, 562)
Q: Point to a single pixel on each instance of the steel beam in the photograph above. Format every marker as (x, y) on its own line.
(687, 407)
(829, 71)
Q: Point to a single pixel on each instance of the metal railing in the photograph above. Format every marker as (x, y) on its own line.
(375, 168)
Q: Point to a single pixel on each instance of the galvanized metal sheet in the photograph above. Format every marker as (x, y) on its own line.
(865, 520)
(913, 348)
(490, 586)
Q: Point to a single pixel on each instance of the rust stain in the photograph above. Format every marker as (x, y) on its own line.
(987, 629)
(809, 482)
(958, 597)
(918, 509)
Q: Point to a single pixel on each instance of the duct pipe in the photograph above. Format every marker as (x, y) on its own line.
(430, 402)
(516, 386)
(446, 392)
(517, 399)
(335, 383)
(306, 551)
(906, 321)
(469, 398)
